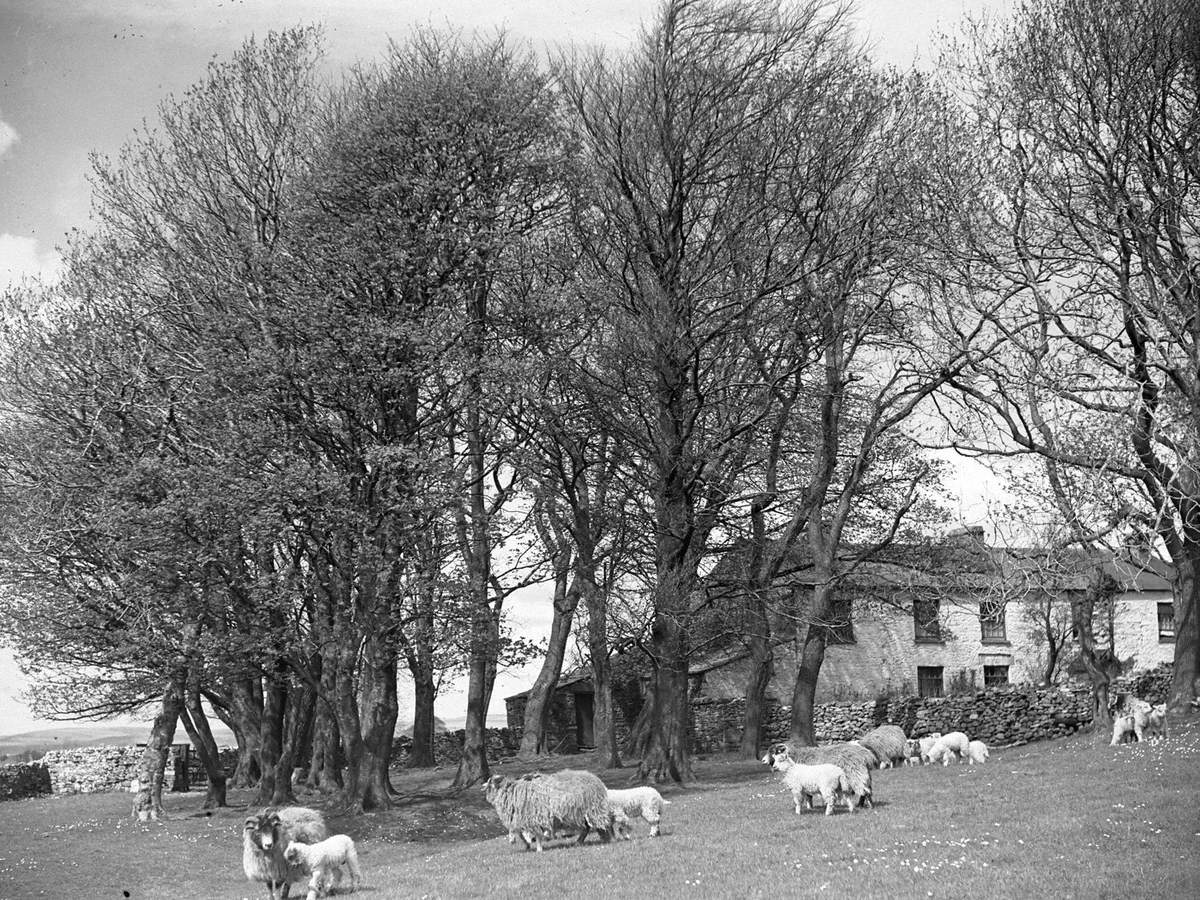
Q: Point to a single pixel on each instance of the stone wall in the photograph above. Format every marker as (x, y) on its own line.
(93, 770)
(24, 780)
(998, 716)
(447, 746)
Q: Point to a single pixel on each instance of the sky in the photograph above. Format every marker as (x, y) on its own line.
(77, 77)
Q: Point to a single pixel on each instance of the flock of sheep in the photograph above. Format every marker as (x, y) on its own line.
(288, 844)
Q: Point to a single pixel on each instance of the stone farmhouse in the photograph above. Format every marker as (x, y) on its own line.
(933, 622)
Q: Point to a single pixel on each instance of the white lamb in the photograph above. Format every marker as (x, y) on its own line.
(926, 744)
(977, 752)
(949, 746)
(1156, 722)
(325, 860)
(1133, 715)
(639, 801)
(804, 781)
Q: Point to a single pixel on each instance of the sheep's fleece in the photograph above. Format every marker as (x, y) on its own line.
(538, 804)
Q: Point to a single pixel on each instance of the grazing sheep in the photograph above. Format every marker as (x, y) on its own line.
(949, 746)
(639, 801)
(850, 758)
(266, 835)
(804, 781)
(325, 861)
(537, 805)
(977, 752)
(887, 743)
(927, 745)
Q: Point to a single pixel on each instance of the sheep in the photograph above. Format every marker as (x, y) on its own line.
(643, 801)
(537, 805)
(1156, 722)
(886, 742)
(926, 744)
(949, 746)
(977, 752)
(325, 861)
(1132, 715)
(265, 837)
(804, 781)
(912, 752)
(850, 758)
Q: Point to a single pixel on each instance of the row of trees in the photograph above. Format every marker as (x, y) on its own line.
(338, 369)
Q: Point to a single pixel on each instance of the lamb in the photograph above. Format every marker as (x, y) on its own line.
(912, 752)
(804, 781)
(926, 744)
(850, 758)
(265, 836)
(1132, 715)
(887, 743)
(325, 861)
(949, 746)
(641, 801)
(1156, 721)
(977, 752)
(538, 804)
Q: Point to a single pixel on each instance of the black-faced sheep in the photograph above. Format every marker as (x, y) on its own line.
(325, 861)
(805, 782)
(267, 834)
(850, 758)
(639, 801)
(887, 743)
(535, 805)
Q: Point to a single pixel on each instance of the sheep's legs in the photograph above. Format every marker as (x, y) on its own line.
(583, 835)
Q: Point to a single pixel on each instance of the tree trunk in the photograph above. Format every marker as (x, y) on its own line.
(761, 668)
(541, 695)
(323, 771)
(296, 743)
(147, 804)
(805, 692)
(271, 737)
(196, 725)
(473, 765)
(424, 724)
(244, 718)
(667, 754)
(1185, 674)
(603, 723)
(1083, 606)
(380, 709)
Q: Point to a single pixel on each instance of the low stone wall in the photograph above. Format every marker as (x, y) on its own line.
(447, 746)
(24, 780)
(998, 716)
(93, 770)
(1152, 685)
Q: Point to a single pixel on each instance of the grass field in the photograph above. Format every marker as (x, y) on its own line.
(1060, 819)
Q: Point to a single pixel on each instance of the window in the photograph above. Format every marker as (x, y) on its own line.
(994, 675)
(991, 622)
(925, 622)
(1166, 623)
(841, 624)
(929, 681)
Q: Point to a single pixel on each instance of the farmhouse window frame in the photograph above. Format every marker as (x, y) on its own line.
(931, 681)
(1166, 622)
(927, 628)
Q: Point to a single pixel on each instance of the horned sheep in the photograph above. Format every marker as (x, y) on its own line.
(535, 805)
(325, 861)
(266, 835)
(639, 801)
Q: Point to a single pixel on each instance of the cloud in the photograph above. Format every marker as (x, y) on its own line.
(20, 257)
(8, 136)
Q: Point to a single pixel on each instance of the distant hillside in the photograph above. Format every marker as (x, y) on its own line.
(32, 744)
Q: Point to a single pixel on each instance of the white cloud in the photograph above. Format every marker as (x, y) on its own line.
(8, 136)
(20, 257)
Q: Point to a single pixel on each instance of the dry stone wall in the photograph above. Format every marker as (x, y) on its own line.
(447, 746)
(24, 780)
(93, 770)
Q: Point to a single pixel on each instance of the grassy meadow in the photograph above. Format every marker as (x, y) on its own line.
(1067, 818)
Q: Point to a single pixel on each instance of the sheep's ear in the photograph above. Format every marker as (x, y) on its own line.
(251, 823)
